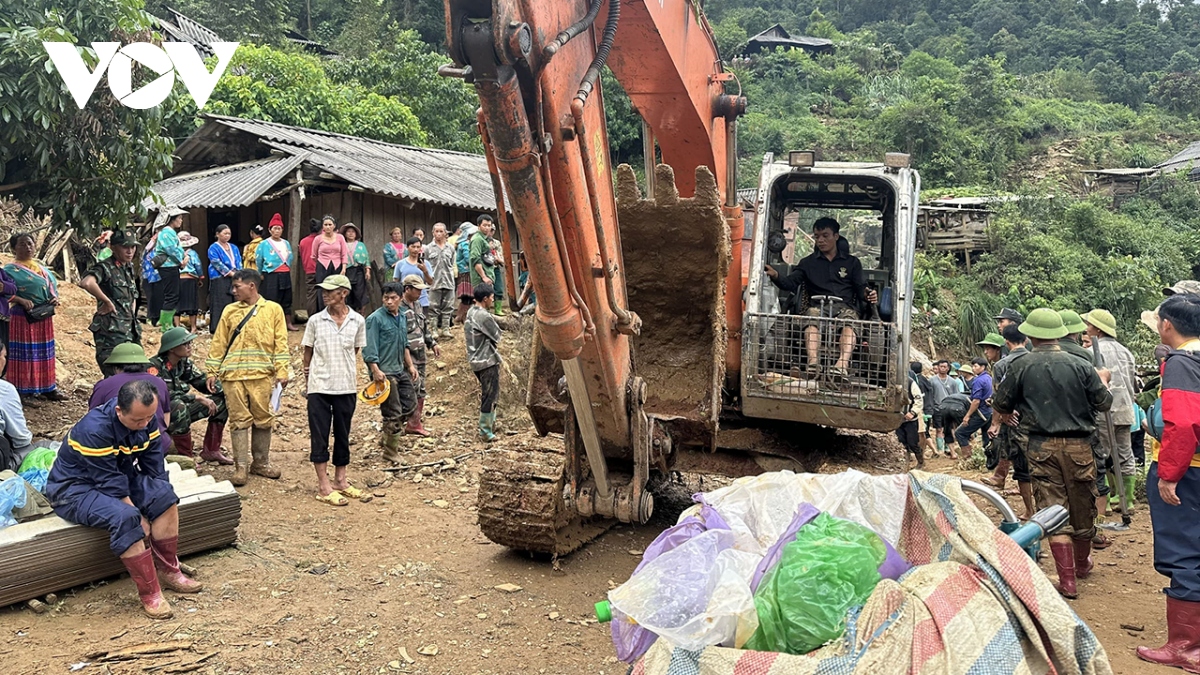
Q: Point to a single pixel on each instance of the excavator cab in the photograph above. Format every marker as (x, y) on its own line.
(876, 207)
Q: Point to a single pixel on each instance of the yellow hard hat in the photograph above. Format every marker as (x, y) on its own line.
(375, 393)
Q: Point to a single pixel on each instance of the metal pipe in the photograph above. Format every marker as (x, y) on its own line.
(994, 498)
(448, 70)
(574, 29)
(734, 301)
(510, 284)
(731, 162)
(625, 318)
(582, 404)
(516, 156)
(589, 325)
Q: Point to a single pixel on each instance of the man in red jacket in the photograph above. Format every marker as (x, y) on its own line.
(1173, 486)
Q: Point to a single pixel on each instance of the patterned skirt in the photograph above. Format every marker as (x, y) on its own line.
(464, 288)
(30, 354)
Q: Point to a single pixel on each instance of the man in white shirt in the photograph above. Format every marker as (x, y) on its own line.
(332, 339)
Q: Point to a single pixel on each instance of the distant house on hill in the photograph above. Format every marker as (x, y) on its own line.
(1123, 183)
(776, 37)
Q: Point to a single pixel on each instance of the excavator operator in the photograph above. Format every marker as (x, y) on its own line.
(829, 271)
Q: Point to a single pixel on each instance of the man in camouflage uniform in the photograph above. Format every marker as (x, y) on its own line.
(419, 342)
(175, 367)
(113, 282)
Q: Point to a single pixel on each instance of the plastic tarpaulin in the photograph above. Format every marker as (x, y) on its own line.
(974, 603)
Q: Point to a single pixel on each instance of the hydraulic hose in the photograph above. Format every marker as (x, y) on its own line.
(606, 43)
(574, 29)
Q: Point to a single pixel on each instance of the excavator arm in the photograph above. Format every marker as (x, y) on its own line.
(535, 65)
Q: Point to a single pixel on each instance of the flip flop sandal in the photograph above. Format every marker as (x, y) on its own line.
(334, 498)
(352, 492)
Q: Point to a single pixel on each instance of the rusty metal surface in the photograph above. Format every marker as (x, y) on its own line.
(676, 254)
(427, 175)
(546, 406)
(521, 501)
(843, 417)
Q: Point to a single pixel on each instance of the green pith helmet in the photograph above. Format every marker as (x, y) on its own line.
(173, 338)
(1104, 320)
(127, 354)
(991, 340)
(1044, 324)
(1072, 321)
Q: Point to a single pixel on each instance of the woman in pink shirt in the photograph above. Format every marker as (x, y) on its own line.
(331, 253)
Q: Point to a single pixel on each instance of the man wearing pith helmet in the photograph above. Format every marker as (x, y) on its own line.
(1116, 358)
(1073, 342)
(1057, 398)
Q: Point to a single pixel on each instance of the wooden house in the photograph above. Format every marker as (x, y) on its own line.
(240, 172)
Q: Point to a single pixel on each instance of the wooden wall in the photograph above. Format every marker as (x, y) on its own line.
(375, 214)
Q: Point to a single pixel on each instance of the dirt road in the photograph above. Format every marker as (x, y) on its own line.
(406, 583)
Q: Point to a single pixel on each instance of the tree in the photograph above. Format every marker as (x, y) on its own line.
(395, 63)
(86, 167)
(260, 21)
(292, 88)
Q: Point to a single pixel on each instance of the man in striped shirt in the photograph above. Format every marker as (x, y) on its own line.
(249, 355)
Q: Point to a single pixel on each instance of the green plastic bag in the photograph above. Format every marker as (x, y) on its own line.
(831, 566)
(39, 458)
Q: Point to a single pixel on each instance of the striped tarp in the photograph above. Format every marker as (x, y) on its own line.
(975, 604)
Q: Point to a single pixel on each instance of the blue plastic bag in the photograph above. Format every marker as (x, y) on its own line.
(37, 478)
(12, 496)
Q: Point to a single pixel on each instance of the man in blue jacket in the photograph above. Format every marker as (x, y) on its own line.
(111, 473)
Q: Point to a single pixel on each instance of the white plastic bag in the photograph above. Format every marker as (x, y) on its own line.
(759, 508)
(696, 595)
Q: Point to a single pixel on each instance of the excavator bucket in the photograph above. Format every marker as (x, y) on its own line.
(675, 256)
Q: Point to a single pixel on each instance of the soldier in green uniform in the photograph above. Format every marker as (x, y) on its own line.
(175, 367)
(1073, 342)
(1056, 397)
(113, 282)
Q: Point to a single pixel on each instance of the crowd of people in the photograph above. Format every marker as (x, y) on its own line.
(1055, 397)
(160, 282)
(111, 472)
(1058, 401)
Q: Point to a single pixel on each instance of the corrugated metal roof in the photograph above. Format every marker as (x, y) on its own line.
(226, 186)
(1189, 155)
(1132, 171)
(182, 29)
(777, 36)
(420, 174)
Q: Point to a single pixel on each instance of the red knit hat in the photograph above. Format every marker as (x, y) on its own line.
(276, 220)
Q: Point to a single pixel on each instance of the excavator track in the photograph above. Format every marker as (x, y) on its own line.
(521, 501)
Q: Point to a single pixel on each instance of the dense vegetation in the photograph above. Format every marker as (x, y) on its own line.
(987, 96)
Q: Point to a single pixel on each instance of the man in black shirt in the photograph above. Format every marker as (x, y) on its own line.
(830, 270)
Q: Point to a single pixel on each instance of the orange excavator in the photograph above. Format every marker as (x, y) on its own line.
(656, 331)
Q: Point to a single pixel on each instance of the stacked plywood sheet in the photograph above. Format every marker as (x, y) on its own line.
(50, 554)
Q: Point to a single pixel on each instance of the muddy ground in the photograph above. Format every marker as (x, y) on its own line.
(406, 582)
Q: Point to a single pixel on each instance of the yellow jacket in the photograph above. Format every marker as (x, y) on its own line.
(248, 261)
(260, 350)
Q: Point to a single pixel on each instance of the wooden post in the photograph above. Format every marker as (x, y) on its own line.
(293, 225)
